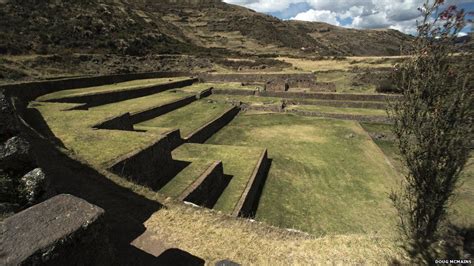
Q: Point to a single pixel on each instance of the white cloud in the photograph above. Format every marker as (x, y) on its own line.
(318, 15)
(395, 14)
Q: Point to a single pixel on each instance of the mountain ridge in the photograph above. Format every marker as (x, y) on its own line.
(177, 27)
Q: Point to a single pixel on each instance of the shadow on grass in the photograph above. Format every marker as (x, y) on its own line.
(125, 211)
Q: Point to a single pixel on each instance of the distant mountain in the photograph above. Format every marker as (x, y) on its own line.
(139, 27)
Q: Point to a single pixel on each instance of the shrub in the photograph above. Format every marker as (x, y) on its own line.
(433, 126)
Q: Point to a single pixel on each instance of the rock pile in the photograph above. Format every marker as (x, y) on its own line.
(22, 183)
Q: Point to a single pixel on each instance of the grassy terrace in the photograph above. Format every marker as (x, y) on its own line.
(185, 178)
(218, 85)
(234, 85)
(327, 176)
(74, 128)
(129, 85)
(139, 104)
(97, 147)
(238, 161)
(188, 118)
(461, 208)
(246, 99)
(338, 110)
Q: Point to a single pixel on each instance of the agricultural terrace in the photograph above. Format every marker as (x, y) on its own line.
(325, 176)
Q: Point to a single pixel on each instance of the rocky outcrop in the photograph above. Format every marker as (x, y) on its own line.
(63, 230)
(22, 183)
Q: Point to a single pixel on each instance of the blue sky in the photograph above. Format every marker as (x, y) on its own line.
(364, 14)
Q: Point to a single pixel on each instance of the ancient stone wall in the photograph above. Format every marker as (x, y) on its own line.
(174, 138)
(102, 98)
(233, 92)
(349, 104)
(310, 95)
(205, 93)
(360, 118)
(32, 90)
(59, 231)
(203, 133)
(328, 96)
(120, 122)
(248, 202)
(152, 166)
(205, 191)
(322, 86)
(277, 85)
(254, 77)
(161, 110)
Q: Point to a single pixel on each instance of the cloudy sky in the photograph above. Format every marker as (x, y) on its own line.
(364, 14)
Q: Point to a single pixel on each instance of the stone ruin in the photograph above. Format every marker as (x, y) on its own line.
(273, 81)
(285, 84)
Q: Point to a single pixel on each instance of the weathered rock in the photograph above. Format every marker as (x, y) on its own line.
(35, 184)
(8, 123)
(58, 231)
(15, 153)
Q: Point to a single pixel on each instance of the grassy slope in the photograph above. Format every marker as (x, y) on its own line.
(238, 162)
(463, 202)
(73, 128)
(185, 178)
(188, 118)
(344, 72)
(129, 85)
(337, 110)
(138, 104)
(331, 183)
(213, 237)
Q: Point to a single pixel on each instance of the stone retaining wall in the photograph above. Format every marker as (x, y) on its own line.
(310, 95)
(120, 122)
(248, 202)
(174, 138)
(150, 167)
(205, 93)
(322, 86)
(203, 133)
(59, 231)
(32, 90)
(360, 118)
(254, 77)
(328, 96)
(161, 110)
(102, 98)
(349, 104)
(233, 92)
(205, 191)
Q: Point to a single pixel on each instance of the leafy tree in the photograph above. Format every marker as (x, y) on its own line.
(433, 125)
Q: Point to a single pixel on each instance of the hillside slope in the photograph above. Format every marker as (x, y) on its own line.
(143, 27)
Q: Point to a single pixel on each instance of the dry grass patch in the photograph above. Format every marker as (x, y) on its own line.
(214, 237)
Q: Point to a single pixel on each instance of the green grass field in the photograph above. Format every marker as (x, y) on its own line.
(461, 206)
(188, 118)
(129, 85)
(238, 161)
(338, 110)
(327, 176)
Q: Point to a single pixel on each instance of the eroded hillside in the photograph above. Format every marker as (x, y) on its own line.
(180, 26)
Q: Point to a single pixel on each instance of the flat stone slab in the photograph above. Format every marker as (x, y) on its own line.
(40, 233)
